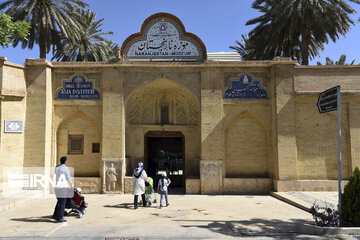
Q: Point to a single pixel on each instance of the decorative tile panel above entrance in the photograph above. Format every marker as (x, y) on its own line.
(78, 88)
(162, 37)
(245, 87)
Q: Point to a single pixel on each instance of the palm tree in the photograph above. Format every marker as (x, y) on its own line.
(341, 61)
(298, 28)
(47, 18)
(257, 48)
(89, 45)
(245, 48)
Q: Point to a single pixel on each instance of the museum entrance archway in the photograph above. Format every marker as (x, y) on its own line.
(164, 152)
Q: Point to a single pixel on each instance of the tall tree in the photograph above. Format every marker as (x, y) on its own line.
(341, 61)
(298, 28)
(89, 45)
(47, 18)
(10, 30)
(245, 48)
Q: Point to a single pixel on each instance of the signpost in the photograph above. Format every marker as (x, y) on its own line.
(328, 101)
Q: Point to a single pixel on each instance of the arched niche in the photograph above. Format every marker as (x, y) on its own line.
(144, 107)
(246, 147)
(78, 131)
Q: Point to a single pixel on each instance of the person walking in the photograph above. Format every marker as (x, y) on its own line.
(63, 189)
(139, 177)
(162, 188)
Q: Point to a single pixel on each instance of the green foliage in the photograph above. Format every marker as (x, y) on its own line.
(89, 45)
(350, 214)
(245, 48)
(10, 30)
(49, 20)
(297, 28)
(341, 61)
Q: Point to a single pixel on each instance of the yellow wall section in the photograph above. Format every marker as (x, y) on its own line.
(246, 147)
(317, 145)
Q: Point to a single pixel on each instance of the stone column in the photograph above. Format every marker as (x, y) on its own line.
(284, 123)
(113, 124)
(212, 142)
(39, 110)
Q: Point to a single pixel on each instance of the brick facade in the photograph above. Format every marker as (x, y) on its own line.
(277, 143)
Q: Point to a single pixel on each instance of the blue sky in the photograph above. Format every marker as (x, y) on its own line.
(217, 23)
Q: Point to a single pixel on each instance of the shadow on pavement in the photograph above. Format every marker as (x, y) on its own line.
(34, 219)
(121, 205)
(274, 228)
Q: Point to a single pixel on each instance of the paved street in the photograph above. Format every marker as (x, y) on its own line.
(187, 217)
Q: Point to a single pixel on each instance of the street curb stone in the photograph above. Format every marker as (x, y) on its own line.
(309, 229)
(291, 200)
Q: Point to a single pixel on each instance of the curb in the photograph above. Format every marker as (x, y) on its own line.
(292, 201)
(309, 229)
(7, 203)
(11, 204)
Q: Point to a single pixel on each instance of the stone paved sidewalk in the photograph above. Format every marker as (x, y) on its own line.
(305, 200)
(188, 217)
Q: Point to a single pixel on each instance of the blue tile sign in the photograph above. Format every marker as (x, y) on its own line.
(245, 87)
(13, 126)
(78, 88)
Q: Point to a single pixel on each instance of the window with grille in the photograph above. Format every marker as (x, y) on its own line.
(76, 144)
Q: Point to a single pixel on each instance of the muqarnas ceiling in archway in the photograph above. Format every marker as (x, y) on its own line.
(145, 106)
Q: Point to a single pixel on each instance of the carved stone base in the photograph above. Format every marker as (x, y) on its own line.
(211, 176)
(307, 185)
(247, 185)
(88, 184)
(128, 188)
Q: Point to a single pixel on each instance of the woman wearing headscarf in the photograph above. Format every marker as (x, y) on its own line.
(139, 184)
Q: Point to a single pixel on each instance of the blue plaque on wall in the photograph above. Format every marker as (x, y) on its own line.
(13, 126)
(78, 88)
(245, 87)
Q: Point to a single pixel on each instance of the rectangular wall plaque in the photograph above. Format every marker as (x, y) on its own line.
(13, 126)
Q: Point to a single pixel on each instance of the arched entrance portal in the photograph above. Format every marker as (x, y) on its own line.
(164, 151)
(160, 115)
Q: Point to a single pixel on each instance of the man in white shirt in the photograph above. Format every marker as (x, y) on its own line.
(64, 184)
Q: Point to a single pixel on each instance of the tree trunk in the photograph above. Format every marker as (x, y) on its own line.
(305, 43)
(287, 50)
(42, 42)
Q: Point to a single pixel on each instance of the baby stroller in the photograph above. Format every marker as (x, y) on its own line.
(150, 196)
(77, 203)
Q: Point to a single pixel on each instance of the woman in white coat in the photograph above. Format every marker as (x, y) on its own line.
(139, 184)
